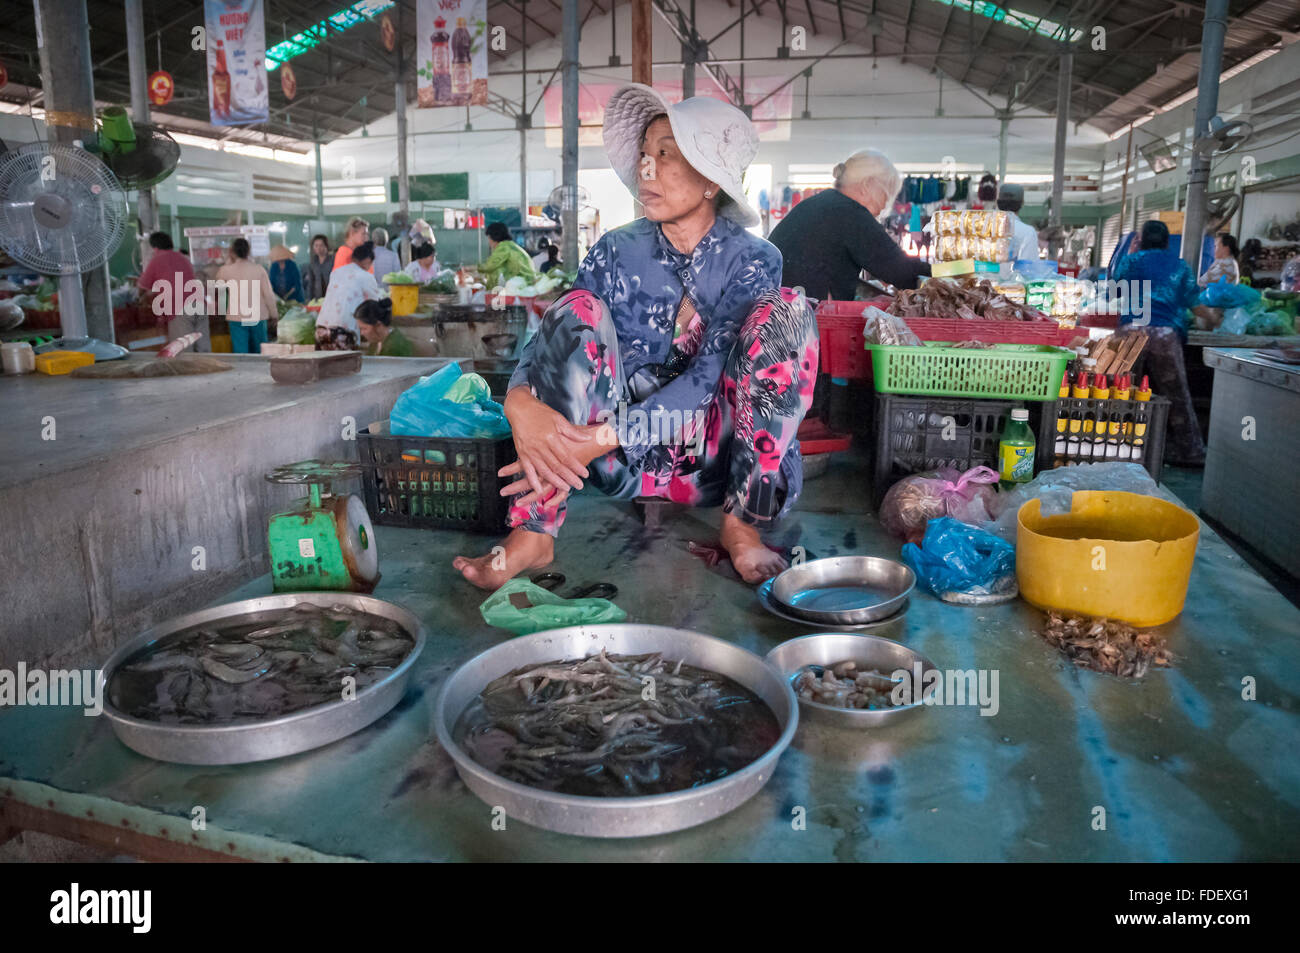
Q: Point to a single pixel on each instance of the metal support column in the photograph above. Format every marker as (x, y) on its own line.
(320, 178)
(1207, 105)
(136, 66)
(1003, 123)
(688, 58)
(403, 181)
(63, 36)
(642, 43)
(1058, 156)
(523, 121)
(569, 214)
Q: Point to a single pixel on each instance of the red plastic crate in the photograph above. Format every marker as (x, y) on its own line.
(843, 354)
(993, 332)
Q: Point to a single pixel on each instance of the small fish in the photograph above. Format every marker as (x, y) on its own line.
(233, 676)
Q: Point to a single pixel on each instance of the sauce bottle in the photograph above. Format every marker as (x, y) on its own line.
(462, 73)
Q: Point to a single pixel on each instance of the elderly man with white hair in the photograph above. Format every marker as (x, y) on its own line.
(827, 240)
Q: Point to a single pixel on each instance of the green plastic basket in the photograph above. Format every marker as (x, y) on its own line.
(1004, 372)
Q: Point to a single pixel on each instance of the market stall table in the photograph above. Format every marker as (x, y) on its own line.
(1253, 453)
(1184, 768)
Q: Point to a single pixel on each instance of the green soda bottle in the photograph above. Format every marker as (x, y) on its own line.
(1016, 450)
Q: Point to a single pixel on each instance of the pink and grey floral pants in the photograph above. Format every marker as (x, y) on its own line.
(739, 450)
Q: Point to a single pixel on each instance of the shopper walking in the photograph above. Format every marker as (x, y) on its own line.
(163, 285)
(827, 241)
(249, 300)
(1162, 287)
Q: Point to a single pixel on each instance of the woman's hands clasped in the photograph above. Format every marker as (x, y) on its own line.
(553, 453)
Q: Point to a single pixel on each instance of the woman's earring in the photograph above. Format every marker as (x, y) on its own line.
(708, 195)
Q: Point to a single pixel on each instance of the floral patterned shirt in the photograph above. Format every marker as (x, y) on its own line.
(641, 278)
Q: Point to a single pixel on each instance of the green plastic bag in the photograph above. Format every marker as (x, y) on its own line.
(296, 326)
(540, 609)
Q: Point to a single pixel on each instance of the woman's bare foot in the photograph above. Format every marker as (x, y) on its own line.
(751, 559)
(521, 550)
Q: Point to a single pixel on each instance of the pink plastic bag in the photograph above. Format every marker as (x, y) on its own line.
(915, 500)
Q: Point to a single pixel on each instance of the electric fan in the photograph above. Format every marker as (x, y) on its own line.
(554, 208)
(140, 155)
(62, 212)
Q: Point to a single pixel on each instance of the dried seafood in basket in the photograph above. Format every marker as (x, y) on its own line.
(1106, 645)
(971, 299)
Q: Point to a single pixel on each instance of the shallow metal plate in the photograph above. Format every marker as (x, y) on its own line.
(274, 737)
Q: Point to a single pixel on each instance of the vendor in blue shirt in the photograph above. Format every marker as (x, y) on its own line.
(677, 367)
(1157, 290)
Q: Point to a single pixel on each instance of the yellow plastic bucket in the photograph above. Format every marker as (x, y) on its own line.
(405, 298)
(1119, 555)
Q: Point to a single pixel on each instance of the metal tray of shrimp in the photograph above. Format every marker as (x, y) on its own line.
(252, 739)
(631, 816)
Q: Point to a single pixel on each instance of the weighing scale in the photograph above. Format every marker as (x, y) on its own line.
(324, 542)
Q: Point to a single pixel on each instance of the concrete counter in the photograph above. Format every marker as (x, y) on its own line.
(107, 487)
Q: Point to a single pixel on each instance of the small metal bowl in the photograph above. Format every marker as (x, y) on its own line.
(844, 590)
(893, 627)
(869, 652)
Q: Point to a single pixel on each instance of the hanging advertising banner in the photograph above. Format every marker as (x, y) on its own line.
(236, 46)
(288, 82)
(161, 87)
(451, 52)
(387, 32)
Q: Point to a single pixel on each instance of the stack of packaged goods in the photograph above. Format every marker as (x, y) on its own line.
(970, 240)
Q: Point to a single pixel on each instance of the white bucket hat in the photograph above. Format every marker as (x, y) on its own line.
(716, 139)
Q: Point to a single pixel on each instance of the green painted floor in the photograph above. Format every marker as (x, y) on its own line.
(1182, 767)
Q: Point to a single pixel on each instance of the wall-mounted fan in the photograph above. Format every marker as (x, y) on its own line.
(139, 154)
(62, 212)
(1223, 137)
(1220, 210)
(554, 207)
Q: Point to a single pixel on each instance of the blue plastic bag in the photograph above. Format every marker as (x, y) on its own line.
(956, 557)
(444, 405)
(1224, 294)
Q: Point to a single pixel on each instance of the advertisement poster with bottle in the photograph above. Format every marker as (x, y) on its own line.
(451, 53)
(236, 43)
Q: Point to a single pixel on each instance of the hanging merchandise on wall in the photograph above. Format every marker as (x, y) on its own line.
(451, 53)
(236, 45)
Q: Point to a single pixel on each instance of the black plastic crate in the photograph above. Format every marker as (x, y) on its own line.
(912, 436)
(434, 482)
(1126, 445)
